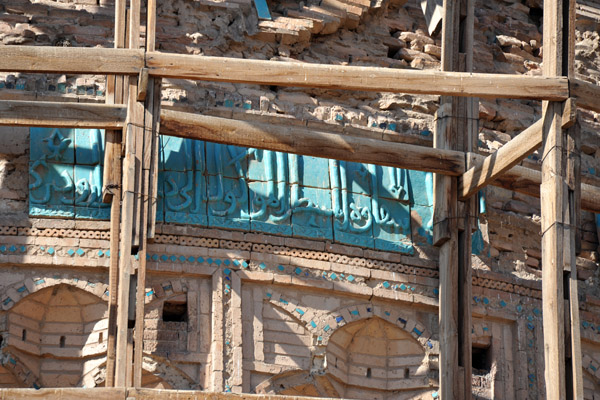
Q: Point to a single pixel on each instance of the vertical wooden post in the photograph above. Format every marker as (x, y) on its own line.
(573, 215)
(125, 257)
(157, 83)
(112, 192)
(468, 124)
(445, 232)
(455, 116)
(147, 148)
(556, 205)
(113, 273)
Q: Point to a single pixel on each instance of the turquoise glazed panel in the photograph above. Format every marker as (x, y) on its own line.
(89, 146)
(420, 188)
(270, 210)
(268, 166)
(223, 186)
(391, 229)
(311, 212)
(88, 193)
(353, 220)
(52, 145)
(358, 178)
(312, 171)
(392, 183)
(227, 161)
(422, 224)
(228, 203)
(185, 197)
(51, 189)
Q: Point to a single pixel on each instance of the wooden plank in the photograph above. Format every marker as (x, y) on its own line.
(300, 140)
(223, 69)
(468, 131)
(570, 262)
(527, 181)
(142, 84)
(112, 179)
(126, 237)
(113, 271)
(445, 213)
(153, 190)
(151, 25)
(134, 24)
(586, 94)
(70, 60)
(155, 88)
(125, 269)
(61, 115)
(501, 161)
(136, 110)
(572, 233)
(554, 203)
(146, 163)
(120, 24)
(509, 155)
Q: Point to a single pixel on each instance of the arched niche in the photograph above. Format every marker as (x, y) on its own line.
(58, 333)
(373, 354)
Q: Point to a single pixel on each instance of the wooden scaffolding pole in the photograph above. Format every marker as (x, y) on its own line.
(112, 192)
(468, 124)
(572, 244)
(81, 60)
(560, 199)
(456, 129)
(147, 145)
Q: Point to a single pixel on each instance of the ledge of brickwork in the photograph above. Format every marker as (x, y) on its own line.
(133, 393)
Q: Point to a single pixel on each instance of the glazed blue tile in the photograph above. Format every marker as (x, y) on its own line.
(353, 222)
(160, 196)
(422, 224)
(358, 177)
(51, 189)
(311, 215)
(312, 171)
(52, 144)
(178, 153)
(262, 9)
(228, 203)
(226, 160)
(392, 183)
(266, 165)
(421, 188)
(89, 146)
(392, 231)
(88, 193)
(477, 242)
(270, 208)
(185, 197)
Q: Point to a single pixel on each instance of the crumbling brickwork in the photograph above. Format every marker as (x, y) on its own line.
(239, 310)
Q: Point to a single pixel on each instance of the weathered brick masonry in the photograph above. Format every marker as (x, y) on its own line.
(240, 309)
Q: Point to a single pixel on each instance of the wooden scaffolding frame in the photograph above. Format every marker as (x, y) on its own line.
(133, 119)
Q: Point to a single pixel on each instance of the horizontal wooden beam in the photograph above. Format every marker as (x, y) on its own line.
(260, 72)
(586, 94)
(527, 181)
(70, 60)
(509, 155)
(500, 161)
(300, 140)
(86, 60)
(61, 115)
